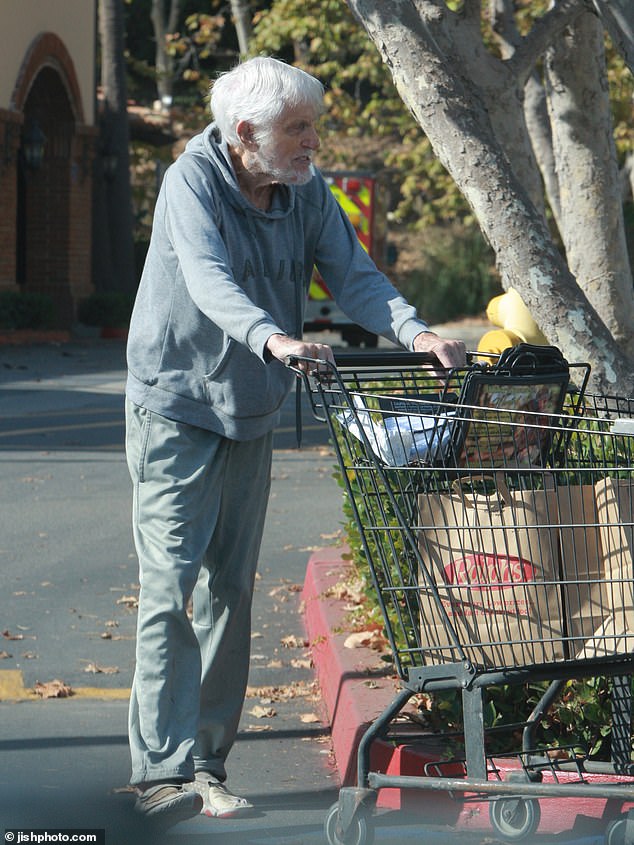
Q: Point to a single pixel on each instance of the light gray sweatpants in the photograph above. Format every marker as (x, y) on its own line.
(199, 504)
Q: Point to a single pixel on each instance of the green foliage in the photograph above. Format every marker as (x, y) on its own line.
(107, 308)
(25, 310)
(456, 276)
(579, 721)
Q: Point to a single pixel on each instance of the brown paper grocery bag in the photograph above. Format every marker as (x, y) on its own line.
(490, 577)
(615, 509)
(584, 593)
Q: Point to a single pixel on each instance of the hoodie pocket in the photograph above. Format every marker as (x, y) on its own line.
(242, 386)
(221, 361)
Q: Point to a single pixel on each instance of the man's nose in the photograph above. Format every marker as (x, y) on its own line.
(311, 139)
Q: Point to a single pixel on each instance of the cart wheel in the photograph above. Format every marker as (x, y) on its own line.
(360, 831)
(514, 818)
(615, 832)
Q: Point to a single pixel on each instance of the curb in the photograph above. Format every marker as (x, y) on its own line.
(356, 688)
(28, 337)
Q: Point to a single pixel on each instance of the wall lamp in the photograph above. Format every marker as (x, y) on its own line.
(33, 143)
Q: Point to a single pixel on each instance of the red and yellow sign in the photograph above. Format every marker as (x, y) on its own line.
(355, 195)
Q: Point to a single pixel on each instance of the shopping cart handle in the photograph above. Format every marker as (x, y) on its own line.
(396, 358)
(366, 360)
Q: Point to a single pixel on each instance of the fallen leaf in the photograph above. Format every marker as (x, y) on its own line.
(95, 669)
(365, 639)
(259, 728)
(52, 689)
(294, 642)
(309, 718)
(4, 655)
(129, 601)
(297, 663)
(9, 636)
(262, 712)
(29, 655)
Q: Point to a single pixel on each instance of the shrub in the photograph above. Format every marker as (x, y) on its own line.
(456, 276)
(25, 310)
(106, 308)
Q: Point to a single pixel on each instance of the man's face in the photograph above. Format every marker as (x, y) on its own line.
(285, 153)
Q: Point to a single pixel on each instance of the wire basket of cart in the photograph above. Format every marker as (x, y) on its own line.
(495, 510)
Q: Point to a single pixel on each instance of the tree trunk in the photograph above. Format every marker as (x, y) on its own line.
(450, 109)
(591, 221)
(242, 21)
(115, 147)
(163, 25)
(538, 126)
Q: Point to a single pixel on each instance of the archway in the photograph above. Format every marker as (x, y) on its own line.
(53, 241)
(43, 254)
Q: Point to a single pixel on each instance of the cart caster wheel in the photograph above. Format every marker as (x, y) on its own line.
(615, 832)
(514, 818)
(360, 831)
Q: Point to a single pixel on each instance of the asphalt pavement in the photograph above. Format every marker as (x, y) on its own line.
(67, 616)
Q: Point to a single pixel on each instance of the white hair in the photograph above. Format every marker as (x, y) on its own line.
(258, 91)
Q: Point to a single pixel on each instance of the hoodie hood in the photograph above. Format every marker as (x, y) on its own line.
(211, 145)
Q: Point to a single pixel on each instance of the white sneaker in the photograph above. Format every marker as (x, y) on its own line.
(218, 802)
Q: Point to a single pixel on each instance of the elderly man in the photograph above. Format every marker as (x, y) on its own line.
(241, 219)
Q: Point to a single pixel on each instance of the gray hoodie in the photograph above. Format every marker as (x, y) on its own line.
(222, 276)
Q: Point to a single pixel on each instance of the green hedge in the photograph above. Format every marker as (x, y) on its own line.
(106, 308)
(25, 310)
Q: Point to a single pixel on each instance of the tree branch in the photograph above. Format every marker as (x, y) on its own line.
(617, 17)
(501, 13)
(542, 35)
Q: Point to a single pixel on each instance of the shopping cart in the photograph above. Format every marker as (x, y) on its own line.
(495, 509)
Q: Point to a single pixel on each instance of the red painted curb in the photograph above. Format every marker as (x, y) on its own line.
(355, 694)
(24, 337)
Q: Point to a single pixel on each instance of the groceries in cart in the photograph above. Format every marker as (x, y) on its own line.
(401, 436)
(488, 414)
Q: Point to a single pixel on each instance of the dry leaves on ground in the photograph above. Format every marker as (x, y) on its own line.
(52, 689)
(366, 639)
(294, 642)
(285, 692)
(95, 669)
(131, 602)
(262, 712)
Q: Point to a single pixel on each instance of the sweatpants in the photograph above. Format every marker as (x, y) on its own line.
(199, 504)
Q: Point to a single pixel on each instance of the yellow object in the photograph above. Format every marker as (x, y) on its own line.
(515, 321)
(497, 340)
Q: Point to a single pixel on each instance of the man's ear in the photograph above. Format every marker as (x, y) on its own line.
(246, 134)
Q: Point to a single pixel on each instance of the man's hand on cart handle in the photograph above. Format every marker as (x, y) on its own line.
(450, 353)
(285, 348)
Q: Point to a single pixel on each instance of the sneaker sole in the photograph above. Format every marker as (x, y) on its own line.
(227, 814)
